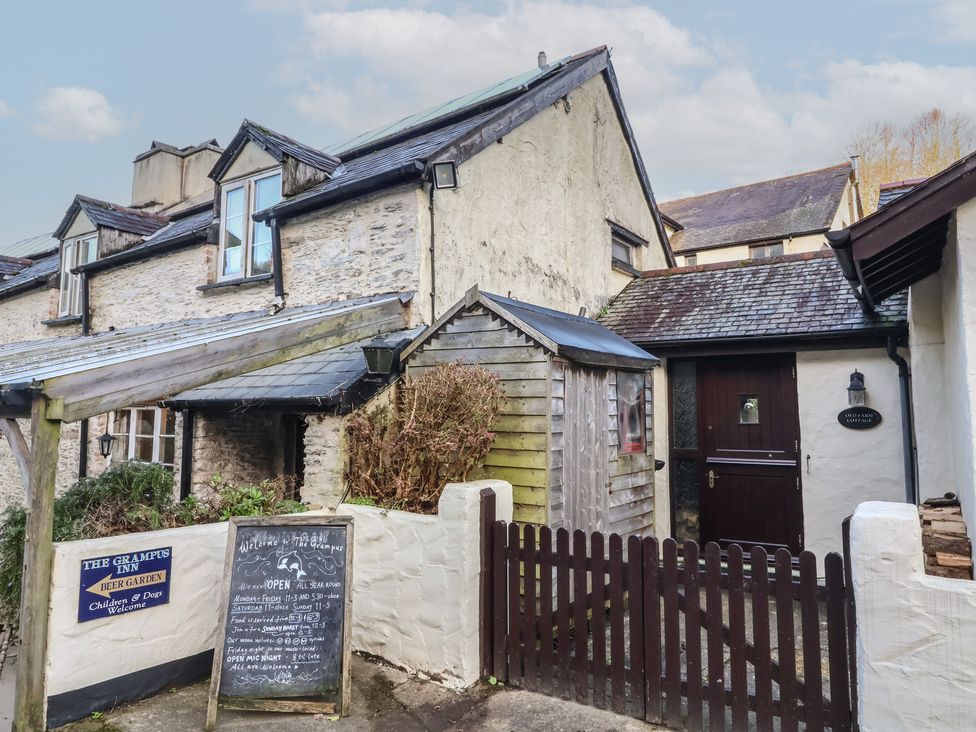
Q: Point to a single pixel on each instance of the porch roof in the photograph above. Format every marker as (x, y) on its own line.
(85, 375)
(319, 380)
(799, 297)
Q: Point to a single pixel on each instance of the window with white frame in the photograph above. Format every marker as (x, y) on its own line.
(74, 252)
(146, 434)
(245, 245)
(767, 249)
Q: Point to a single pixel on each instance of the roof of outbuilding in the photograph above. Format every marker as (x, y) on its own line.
(770, 209)
(12, 265)
(320, 379)
(31, 247)
(889, 192)
(276, 145)
(574, 337)
(112, 216)
(32, 276)
(794, 296)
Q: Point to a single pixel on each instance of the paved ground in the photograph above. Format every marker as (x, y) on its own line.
(383, 699)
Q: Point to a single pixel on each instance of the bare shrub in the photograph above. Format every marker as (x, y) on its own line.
(438, 431)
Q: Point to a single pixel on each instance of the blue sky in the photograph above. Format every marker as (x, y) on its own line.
(720, 93)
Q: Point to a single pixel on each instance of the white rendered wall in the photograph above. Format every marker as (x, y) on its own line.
(416, 582)
(914, 632)
(82, 654)
(846, 466)
(662, 449)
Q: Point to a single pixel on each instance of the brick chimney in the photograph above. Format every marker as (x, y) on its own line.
(165, 175)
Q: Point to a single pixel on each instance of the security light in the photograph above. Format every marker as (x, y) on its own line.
(445, 174)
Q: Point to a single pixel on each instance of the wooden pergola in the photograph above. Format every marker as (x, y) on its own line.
(70, 379)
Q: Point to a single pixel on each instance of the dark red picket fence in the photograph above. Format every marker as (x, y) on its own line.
(719, 641)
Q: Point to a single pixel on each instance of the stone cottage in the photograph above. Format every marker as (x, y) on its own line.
(510, 188)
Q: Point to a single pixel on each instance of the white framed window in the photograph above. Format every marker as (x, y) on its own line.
(691, 260)
(146, 434)
(74, 252)
(245, 245)
(622, 251)
(768, 249)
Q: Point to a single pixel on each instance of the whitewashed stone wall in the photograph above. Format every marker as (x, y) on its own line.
(242, 447)
(82, 654)
(69, 451)
(21, 316)
(416, 580)
(914, 632)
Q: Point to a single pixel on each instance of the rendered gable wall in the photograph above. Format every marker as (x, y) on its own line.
(250, 159)
(529, 214)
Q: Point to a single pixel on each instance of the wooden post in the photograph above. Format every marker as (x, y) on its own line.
(30, 705)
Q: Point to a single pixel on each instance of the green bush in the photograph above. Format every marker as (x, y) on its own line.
(127, 498)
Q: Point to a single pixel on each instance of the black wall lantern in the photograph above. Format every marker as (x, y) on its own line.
(105, 444)
(856, 393)
(383, 356)
(445, 174)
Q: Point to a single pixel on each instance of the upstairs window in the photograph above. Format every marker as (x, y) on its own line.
(146, 434)
(766, 249)
(623, 248)
(691, 260)
(74, 252)
(245, 245)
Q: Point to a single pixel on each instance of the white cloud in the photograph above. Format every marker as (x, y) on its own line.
(956, 19)
(74, 113)
(702, 117)
(5, 109)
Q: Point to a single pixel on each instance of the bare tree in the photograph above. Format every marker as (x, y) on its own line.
(929, 143)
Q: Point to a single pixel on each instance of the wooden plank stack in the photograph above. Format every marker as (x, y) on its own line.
(948, 551)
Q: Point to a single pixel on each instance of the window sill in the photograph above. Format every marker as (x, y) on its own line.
(62, 321)
(624, 267)
(239, 282)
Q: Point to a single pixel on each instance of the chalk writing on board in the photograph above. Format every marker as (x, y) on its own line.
(283, 634)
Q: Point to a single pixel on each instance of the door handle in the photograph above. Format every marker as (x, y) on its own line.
(712, 477)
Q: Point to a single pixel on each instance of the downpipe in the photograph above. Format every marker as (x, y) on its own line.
(907, 426)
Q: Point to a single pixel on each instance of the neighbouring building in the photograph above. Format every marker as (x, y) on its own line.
(756, 361)
(766, 219)
(509, 188)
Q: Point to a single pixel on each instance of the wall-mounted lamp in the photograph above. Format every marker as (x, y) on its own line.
(445, 174)
(105, 444)
(856, 393)
(382, 356)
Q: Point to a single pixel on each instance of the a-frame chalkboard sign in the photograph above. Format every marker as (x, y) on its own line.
(284, 625)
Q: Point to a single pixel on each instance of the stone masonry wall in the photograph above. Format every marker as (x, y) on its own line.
(11, 487)
(21, 316)
(363, 247)
(241, 447)
(324, 460)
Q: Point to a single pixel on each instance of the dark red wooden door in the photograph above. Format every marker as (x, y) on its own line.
(750, 490)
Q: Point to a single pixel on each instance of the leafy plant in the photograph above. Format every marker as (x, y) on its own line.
(438, 431)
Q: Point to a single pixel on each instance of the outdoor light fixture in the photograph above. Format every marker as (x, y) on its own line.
(856, 393)
(445, 174)
(380, 356)
(105, 444)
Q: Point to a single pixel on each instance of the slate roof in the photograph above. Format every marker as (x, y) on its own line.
(33, 276)
(770, 209)
(794, 296)
(276, 145)
(11, 265)
(320, 378)
(31, 247)
(111, 215)
(889, 192)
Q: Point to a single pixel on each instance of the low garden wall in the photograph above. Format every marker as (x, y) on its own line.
(415, 603)
(416, 581)
(914, 631)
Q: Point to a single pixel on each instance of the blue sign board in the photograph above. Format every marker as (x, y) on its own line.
(124, 583)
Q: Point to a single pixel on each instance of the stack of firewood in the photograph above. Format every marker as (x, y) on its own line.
(948, 551)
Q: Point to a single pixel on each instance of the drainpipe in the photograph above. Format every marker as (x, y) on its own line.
(907, 429)
(83, 454)
(433, 270)
(85, 314)
(279, 277)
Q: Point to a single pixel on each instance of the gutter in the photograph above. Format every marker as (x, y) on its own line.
(907, 426)
(840, 242)
(137, 253)
(297, 206)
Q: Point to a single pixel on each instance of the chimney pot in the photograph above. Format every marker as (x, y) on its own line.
(543, 63)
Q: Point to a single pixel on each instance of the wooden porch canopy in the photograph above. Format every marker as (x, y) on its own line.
(69, 379)
(902, 243)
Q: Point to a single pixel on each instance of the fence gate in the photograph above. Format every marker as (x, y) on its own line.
(700, 640)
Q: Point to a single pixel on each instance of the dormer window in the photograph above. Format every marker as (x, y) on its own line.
(74, 252)
(245, 245)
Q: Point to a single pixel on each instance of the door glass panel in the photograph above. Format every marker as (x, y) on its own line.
(687, 514)
(748, 409)
(684, 405)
